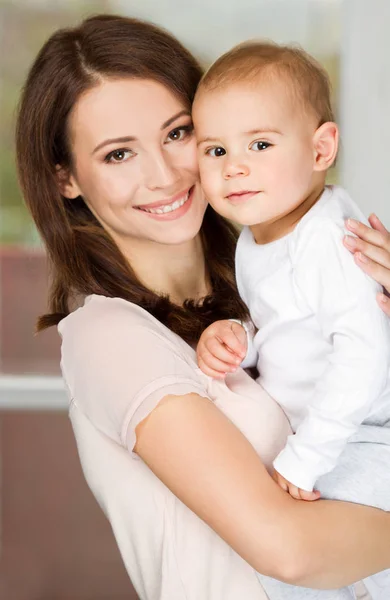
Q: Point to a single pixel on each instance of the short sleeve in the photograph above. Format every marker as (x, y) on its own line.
(118, 365)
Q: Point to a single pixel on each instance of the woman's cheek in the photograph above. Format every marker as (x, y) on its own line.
(118, 185)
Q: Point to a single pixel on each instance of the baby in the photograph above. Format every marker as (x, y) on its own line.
(266, 137)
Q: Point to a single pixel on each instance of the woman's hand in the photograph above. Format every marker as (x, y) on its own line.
(371, 250)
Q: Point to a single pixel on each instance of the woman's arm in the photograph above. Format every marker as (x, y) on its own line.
(210, 466)
(371, 250)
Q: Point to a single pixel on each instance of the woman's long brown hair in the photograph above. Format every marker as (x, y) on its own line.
(83, 257)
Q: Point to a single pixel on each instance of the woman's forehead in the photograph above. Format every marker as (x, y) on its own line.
(116, 105)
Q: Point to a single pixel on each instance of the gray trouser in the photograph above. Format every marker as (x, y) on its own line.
(362, 475)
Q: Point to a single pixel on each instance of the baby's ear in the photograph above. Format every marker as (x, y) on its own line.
(325, 144)
(67, 184)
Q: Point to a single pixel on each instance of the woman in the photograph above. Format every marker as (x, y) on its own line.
(107, 163)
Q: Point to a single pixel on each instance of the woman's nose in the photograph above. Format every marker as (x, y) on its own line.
(159, 171)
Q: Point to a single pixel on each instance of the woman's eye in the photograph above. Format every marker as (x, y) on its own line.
(118, 156)
(216, 152)
(258, 146)
(180, 133)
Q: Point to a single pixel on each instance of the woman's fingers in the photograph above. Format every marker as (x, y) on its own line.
(377, 236)
(384, 303)
(377, 224)
(370, 251)
(380, 273)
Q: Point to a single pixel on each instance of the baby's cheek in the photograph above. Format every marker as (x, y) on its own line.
(207, 180)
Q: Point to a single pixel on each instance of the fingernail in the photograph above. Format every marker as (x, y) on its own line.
(383, 298)
(352, 224)
(361, 257)
(350, 241)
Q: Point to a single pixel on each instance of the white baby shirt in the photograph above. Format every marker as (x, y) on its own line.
(322, 347)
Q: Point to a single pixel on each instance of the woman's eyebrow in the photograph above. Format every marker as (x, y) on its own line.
(182, 113)
(131, 138)
(119, 140)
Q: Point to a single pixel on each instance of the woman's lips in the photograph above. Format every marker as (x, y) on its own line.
(171, 215)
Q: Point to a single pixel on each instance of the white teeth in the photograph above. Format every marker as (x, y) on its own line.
(168, 207)
(177, 204)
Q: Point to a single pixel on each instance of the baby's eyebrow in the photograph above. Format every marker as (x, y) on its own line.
(263, 130)
(206, 139)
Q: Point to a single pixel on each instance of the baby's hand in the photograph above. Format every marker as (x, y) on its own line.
(293, 490)
(221, 348)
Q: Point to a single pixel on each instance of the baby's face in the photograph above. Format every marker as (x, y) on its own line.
(255, 150)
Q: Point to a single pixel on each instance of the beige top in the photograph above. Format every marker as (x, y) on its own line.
(118, 362)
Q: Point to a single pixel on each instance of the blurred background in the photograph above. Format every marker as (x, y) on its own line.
(54, 542)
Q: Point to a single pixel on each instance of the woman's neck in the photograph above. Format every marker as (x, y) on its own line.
(178, 271)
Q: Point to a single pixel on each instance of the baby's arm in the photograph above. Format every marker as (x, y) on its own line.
(344, 301)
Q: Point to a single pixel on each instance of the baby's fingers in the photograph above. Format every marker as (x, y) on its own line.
(294, 491)
(235, 340)
(240, 333)
(309, 496)
(214, 364)
(209, 371)
(219, 350)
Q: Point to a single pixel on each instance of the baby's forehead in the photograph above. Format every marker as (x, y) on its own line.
(255, 95)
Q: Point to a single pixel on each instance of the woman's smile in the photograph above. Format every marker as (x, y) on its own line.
(174, 208)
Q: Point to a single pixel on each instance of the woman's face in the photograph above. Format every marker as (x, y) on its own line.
(135, 162)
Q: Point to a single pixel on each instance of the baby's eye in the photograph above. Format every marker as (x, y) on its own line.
(118, 156)
(259, 146)
(216, 152)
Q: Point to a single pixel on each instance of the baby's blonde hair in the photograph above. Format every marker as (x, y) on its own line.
(308, 82)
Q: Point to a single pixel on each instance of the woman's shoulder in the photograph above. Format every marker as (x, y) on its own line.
(104, 329)
(99, 315)
(117, 360)
(99, 311)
